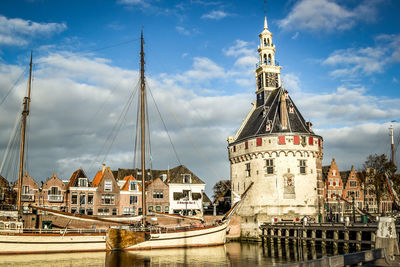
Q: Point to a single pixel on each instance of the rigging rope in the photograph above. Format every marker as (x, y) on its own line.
(12, 136)
(13, 86)
(165, 126)
(114, 131)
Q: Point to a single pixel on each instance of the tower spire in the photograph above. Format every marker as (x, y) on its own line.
(265, 23)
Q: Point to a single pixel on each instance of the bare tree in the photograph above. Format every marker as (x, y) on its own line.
(375, 167)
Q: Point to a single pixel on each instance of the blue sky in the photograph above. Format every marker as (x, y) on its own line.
(340, 63)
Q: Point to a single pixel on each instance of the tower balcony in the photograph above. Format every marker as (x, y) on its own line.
(259, 64)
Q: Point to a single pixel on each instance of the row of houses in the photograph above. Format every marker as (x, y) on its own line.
(342, 189)
(114, 193)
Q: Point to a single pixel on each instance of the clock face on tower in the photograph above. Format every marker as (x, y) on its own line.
(271, 79)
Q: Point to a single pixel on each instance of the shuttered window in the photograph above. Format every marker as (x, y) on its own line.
(296, 140)
(259, 141)
(281, 140)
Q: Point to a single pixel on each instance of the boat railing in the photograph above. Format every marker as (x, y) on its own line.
(61, 231)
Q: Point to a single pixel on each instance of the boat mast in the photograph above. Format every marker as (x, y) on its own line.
(25, 114)
(142, 126)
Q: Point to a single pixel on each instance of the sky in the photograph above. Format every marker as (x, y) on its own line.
(340, 62)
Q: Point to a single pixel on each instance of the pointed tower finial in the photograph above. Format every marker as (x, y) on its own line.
(265, 23)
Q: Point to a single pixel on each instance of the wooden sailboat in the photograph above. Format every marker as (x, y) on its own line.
(14, 239)
(127, 238)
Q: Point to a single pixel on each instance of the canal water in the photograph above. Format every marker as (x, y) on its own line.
(231, 254)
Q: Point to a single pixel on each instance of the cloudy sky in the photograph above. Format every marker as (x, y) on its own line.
(340, 63)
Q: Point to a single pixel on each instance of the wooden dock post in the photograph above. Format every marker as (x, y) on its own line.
(346, 241)
(287, 234)
(271, 238)
(373, 240)
(304, 237)
(313, 236)
(295, 237)
(359, 239)
(323, 236)
(335, 242)
(278, 240)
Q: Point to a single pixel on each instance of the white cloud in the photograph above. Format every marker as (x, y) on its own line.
(216, 15)
(367, 60)
(291, 82)
(185, 31)
(294, 37)
(246, 56)
(19, 31)
(327, 15)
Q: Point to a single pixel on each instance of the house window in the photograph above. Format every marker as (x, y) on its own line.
(246, 145)
(82, 199)
(73, 210)
(158, 194)
(330, 181)
(89, 211)
(132, 200)
(25, 189)
(90, 199)
(248, 171)
(81, 210)
(259, 141)
(269, 164)
(115, 212)
(166, 209)
(234, 148)
(296, 140)
(82, 182)
(281, 140)
(129, 211)
(158, 208)
(108, 185)
(107, 199)
(310, 140)
(186, 178)
(74, 198)
(103, 211)
(54, 190)
(186, 194)
(150, 209)
(302, 165)
(132, 186)
(353, 183)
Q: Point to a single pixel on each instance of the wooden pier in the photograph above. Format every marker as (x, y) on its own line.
(360, 235)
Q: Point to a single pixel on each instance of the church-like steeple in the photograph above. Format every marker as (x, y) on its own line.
(267, 69)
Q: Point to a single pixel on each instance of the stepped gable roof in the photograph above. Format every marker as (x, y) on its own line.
(176, 175)
(256, 124)
(325, 172)
(73, 181)
(345, 177)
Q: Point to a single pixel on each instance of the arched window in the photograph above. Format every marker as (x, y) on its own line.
(265, 42)
(269, 59)
(265, 59)
(268, 42)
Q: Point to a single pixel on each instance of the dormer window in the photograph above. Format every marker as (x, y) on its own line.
(132, 186)
(82, 182)
(186, 178)
(108, 185)
(54, 191)
(291, 109)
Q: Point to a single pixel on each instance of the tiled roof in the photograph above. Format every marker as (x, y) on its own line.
(74, 177)
(176, 175)
(129, 178)
(97, 178)
(270, 111)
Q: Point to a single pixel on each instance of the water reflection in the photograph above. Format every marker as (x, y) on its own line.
(231, 254)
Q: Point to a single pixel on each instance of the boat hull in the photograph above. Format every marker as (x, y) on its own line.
(197, 237)
(51, 243)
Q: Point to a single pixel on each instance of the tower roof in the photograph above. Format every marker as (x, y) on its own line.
(256, 125)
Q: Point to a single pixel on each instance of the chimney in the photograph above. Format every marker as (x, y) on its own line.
(104, 168)
(309, 125)
(284, 121)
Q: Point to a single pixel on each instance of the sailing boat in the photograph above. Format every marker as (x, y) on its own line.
(14, 239)
(128, 238)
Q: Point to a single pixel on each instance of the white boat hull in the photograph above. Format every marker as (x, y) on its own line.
(51, 243)
(198, 237)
